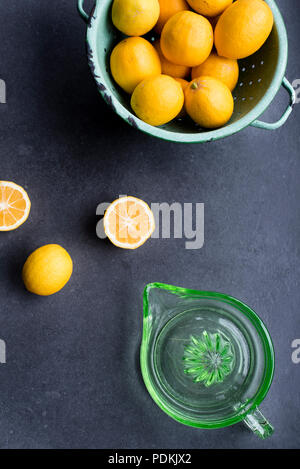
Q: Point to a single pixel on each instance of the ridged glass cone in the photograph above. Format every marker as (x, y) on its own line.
(208, 359)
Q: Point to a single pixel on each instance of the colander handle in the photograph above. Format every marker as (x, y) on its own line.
(258, 424)
(268, 126)
(81, 11)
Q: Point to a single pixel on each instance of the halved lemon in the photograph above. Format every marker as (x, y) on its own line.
(14, 206)
(128, 222)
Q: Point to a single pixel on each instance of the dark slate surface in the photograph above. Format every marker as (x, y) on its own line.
(72, 377)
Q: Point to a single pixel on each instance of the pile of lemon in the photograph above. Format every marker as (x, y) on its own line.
(181, 72)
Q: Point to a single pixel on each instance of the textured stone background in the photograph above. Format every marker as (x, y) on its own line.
(72, 377)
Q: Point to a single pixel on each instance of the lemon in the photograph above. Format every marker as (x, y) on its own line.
(208, 102)
(225, 70)
(209, 7)
(135, 17)
(128, 222)
(157, 100)
(243, 28)
(133, 60)
(168, 8)
(47, 270)
(14, 206)
(187, 39)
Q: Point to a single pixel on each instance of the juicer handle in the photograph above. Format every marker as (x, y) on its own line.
(268, 126)
(258, 424)
(81, 11)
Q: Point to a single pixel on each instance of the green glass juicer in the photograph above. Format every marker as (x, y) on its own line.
(207, 359)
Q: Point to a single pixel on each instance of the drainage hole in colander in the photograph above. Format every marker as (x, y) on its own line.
(250, 83)
(241, 84)
(243, 69)
(259, 80)
(262, 62)
(253, 66)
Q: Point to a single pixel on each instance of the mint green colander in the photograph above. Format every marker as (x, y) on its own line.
(261, 76)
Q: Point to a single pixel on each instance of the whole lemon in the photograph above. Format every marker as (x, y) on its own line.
(208, 102)
(226, 70)
(168, 68)
(187, 39)
(157, 100)
(133, 60)
(243, 28)
(135, 17)
(168, 8)
(47, 270)
(209, 7)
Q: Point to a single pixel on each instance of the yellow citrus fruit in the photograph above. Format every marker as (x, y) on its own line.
(47, 270)
(157, 100)
(168, 68)
(183, 83)
(14, 206)
(208, 102)
(187, 39)
(243, 28)
(226, 70)
(135, 17)
(209, 7)
(133, 60)
(128, 222)
(168, 8)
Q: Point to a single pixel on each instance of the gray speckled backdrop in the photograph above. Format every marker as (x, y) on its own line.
(72, 377)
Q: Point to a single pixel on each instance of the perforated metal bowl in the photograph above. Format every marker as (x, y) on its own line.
(261, 76)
